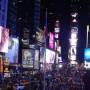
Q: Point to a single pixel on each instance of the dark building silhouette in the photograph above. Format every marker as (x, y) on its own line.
(3, 12)
(28, 16)
(28, 19)
(12, 16)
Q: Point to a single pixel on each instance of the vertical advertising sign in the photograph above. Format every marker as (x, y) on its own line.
(51, 40)
(4, 37)
(13, 47)
(72, 54)
(73, 44)
(50, 56)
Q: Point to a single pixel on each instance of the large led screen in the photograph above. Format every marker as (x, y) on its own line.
(13, 47)
(28, 57)
(4, 37)
(50, 56)
(87, 54)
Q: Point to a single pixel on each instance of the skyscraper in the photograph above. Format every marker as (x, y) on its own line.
(3, 12)
(12, 16)
(29, 16)
(28, 19)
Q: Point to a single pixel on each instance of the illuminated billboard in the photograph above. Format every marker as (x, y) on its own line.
(73, 44)
(4, 37)
(87, 54)
(87, 58)
(30, 58)
(50, 56)
(51, 40)
(13, 47)
(47, 58)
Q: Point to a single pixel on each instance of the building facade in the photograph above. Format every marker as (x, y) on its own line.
(3, 12)
(12, 16)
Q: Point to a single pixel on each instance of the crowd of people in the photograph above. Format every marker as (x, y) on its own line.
(67, 77)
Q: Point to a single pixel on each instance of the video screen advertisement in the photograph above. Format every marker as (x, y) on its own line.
(47, 55)
(30, 58)
(87, 58)
(87, 54)
(50, 56)
(47, 58)
(13, 48)
(4, 37)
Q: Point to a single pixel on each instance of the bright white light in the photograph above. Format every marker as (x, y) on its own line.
(74, 20)
(59, 49)
(73, 57)
(88, 28)
(87, 65)
(60, 66)
(57, 30)
(73, 62)
(57, 21)
(50, 56)
(87, 53)
(73, 35)
(73, 42)
(56, 35)
(74, 14)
